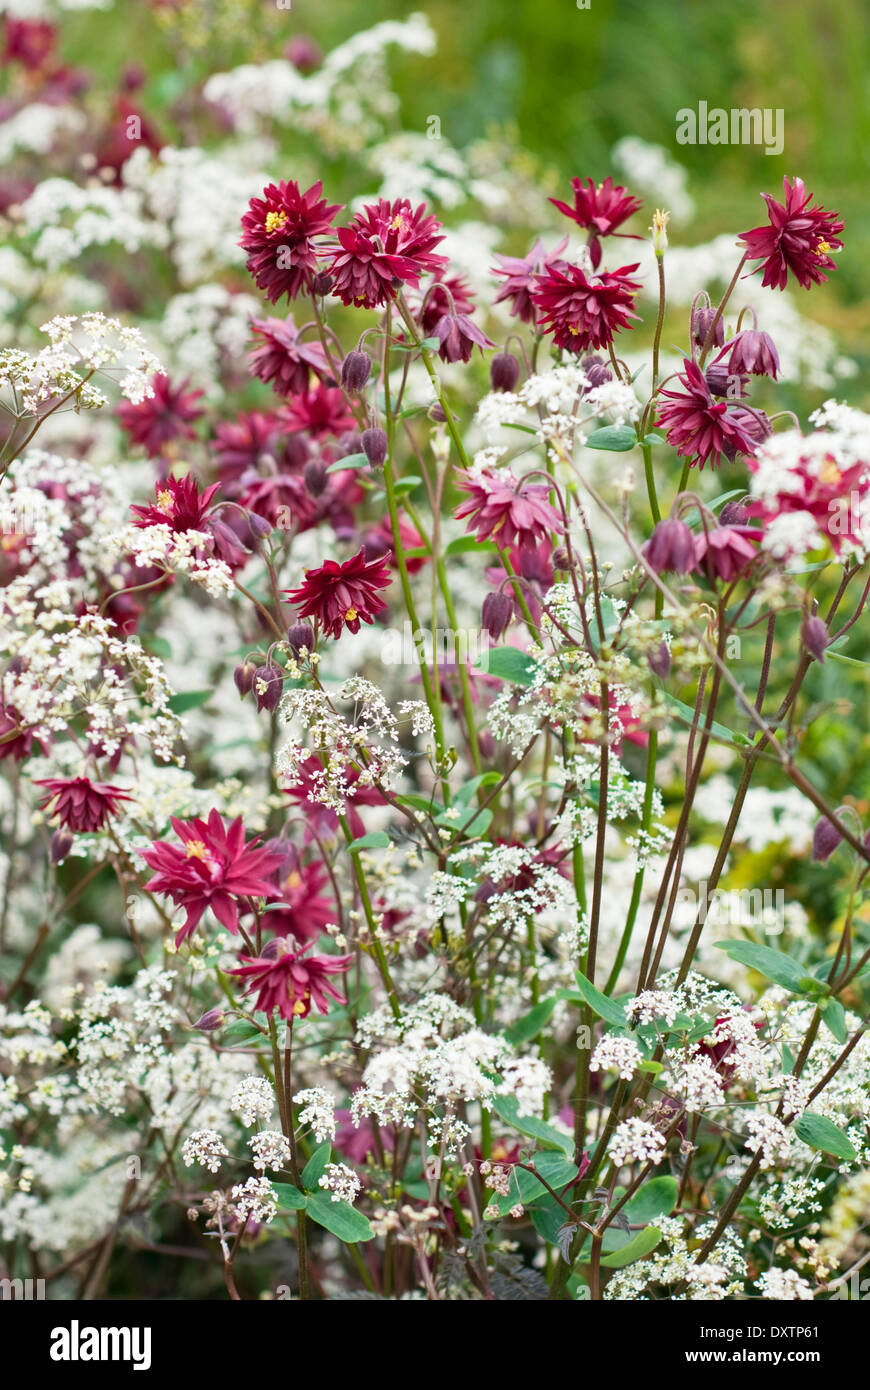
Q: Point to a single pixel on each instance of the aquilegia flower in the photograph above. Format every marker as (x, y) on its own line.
(387, 244)
(501, 509)
(161, 418)
(700, 428)
(798, 238)
(283, 358)
(278, 233)
(178, 504)
(600, 209)
(212, 867)
(521, 273)
(722, 552)
(79, 803)
(458, 335)
(343, 595)
(584, 313)
(290, 981)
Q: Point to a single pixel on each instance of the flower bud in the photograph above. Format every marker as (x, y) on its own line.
(660, 660)
(496, 614)
(826, 837)
(436, 413)
(355, 371)
(724, 381)
(486, 743)
(734, 514)
(261, 526)
(300, 635)
(244, 677)
(210, 1020)
(561, 559)
(670, 547)
(815, 637)
(322, 283)
(375, 445)
(504, 372)
(702, 318)
(755, 352)
(596, 370)
(268, 686)
(316, 479)
(61, 844)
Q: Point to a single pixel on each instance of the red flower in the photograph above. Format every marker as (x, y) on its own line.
(278, 232)
(240, 444)
(27, 41)
(450, 295)
(213, 868)
(291, 982)
(385, 243)
(79, 803)
(320, 819)
(521, 273)
(380, 542)
(179, 505)
(700, 428)
(322, 411)
(581, 313)
(458, 335)
(600, 209)
(505, 511)
(340, 595)
(723, 551)
(283, 358)
(14, 744)
(798, 238)
(305, 911)
(160, 418)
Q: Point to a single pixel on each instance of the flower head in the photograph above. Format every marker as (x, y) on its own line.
(320, 412)
(212, 867)
(283, 358)
(520, 277)
(722, 552)
(600, 209)
(278, 233)
(79, 803)
(699, 428)
(798, 239)
(343, 595)
(178, 504)
(458, 335)
(161, 418)
(584, 313)
(387, 244)
(291, 982)
(508, 512)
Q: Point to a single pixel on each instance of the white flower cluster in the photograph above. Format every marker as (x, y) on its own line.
(636, 1141)
(617, 1054)
(78, 348)
(368, 741)
(318, 1111)
(253, 1100)
(205, 1147)
(270, 1149)
(341, 1182)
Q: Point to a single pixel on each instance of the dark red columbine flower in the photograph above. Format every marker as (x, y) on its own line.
(520, 277)
(278, 232)
(79, 803)
(160, 418)
(798, 238)
(322, 411)
(379, 541)
(584, 313)
(722, 552)
(27, 41)
(14, 744)
(241, 444)
(179, 504)
(505, 511)
(450, 295)
(343, 595)
(304, 910)
(213, 867)
(754, 352)
(699, 428)
(283, 358)
(670, 547)
(385, 244)
(600, 209)
(290, 981)
(459, 335)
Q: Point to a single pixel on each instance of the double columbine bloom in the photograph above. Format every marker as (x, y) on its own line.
(798, 239)
(291, 981)
(343, 595)
(281, 233)
(80, 804)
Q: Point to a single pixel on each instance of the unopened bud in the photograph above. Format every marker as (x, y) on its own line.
(504, 372)
(436, 413)
(660, 660)
(315, 476)
(815, 637)
(261, 526)
(702, 319)
(826, 837)
(300, 635)
(210, 1020)
(61, 844)
(244, 677)
(496, 613)
(355, 370)
(268, 685)
(323, 283)
(375, 445)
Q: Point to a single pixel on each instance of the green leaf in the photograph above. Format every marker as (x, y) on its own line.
(376, 839)
(823, 1134)
(508, 664)
(772, 964)
(686, 715)
(530, 1025)
(656, 1198)
(637, 1247)
(189, 699)
(834, 1016)
(507, 1108)
(618, 438)
(548, 1218)
(340, 1218)
(316, 1167)
(524, 1187)
(349, 461)
(601, 1004)
(463, 545)
(289, 1197)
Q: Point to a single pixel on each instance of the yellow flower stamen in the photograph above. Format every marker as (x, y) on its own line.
(275, 221)
(351, 615)
(196, 850)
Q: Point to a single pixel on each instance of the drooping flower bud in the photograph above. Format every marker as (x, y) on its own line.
(702, 318)
(212, 1019)
(670, 547)
(355, 370)
(260, 525)
(504, 372)
(436, 413)
(826, 837)
(375, 445)
(496, 614)
(322, 283)
(723, 380)
(244, 677)
(268, 685)
(660, 660)
(561, 559)
(815, 637)
(755, 352)
(596, 370)
(316, 478)
(300, 635)
(61, 844)
(734, 514)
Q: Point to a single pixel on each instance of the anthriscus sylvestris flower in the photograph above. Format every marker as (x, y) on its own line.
(278, 233)
(600, 209)
(798, 239)
(387, 245)
(290, 981)
(343, 595)
(212, 867)
(79, 803)
(581, 312)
